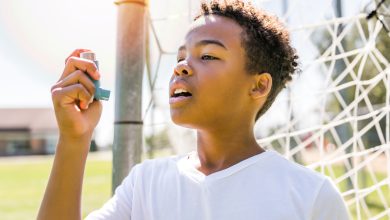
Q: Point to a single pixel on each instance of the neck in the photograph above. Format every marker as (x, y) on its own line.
(223, 147)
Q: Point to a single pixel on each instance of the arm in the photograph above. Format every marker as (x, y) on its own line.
(77, 115)
(63, 193)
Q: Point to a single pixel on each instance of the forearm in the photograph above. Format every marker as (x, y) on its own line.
(63, 193)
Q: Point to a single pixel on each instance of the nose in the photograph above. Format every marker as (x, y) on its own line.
(182, 68)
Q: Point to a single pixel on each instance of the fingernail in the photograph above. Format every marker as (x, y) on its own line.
(91, 100)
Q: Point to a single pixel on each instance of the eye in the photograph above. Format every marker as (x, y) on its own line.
(179, 60)
(208, 57)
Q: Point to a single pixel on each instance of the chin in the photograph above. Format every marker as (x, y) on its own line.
(182, 120)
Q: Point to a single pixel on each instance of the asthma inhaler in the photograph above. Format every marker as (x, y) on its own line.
(100, 94)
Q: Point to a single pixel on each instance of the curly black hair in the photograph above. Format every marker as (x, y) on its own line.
(266, 42)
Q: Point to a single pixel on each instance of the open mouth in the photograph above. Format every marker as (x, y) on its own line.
(181, 93)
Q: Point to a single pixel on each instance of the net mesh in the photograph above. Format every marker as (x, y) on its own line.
(335, 115)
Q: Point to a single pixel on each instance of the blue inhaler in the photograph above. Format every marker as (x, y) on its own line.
(100, 94)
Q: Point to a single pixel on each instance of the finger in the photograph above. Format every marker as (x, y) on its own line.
(76, 53)
(77, 63)
(70, 95)
(95, 104)
(77, 77)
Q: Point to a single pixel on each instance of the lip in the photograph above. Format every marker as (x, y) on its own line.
(178, 84)
(176, 101)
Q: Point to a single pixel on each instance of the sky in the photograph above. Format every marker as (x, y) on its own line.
(37, 36)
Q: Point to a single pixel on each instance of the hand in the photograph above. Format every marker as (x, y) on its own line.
(76, 111)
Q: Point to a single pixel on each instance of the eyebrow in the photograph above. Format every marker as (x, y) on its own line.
(204, 43)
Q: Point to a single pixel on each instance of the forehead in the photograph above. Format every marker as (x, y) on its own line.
(214, 27)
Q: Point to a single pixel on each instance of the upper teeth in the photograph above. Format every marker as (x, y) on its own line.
(177, 91)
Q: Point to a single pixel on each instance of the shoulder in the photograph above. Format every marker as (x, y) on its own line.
(329, 198)
(296, 180)
(311, 188)
(295, 171)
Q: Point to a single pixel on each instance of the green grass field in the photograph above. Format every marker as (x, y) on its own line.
(23, 181)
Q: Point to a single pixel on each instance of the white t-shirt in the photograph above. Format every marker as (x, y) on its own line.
(263, 187)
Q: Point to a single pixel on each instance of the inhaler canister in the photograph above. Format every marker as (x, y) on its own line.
(100, 94)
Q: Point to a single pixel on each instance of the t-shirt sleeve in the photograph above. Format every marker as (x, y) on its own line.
(120, 205)
(329, 204)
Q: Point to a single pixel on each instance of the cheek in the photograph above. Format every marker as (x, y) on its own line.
(221, 88)
(223, 81)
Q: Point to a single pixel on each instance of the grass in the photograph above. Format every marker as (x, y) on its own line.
(23, 183)
(24, 179)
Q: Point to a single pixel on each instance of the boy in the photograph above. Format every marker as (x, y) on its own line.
(234, 62)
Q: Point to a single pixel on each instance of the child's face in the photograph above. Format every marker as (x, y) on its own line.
(211, 66)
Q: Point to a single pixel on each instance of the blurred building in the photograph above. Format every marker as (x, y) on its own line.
(25, 131)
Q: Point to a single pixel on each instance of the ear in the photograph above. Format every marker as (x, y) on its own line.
(261, 86)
